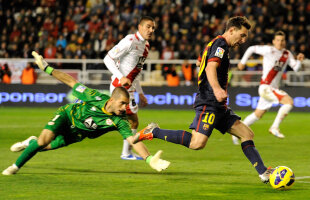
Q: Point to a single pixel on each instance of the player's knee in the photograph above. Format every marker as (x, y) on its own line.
(45, 138)
(291, 102)
(259, 113)
(197, 145)
(249, 135)
(42, 143)
(287, 100)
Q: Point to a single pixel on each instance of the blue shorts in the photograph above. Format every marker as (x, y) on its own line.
(208, 118)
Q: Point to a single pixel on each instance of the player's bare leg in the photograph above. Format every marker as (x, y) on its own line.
(249, 120)
(198, 140)
(287, 106)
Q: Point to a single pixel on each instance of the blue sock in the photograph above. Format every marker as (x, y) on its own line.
(174, 136)
(253, 156)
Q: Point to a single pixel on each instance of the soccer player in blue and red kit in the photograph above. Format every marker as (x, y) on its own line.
(211, 101)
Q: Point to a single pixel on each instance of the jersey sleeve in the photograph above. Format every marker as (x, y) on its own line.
(217, 51)
(87, 94)
(122, 48)
(293, 63)
(123, 128)
(257, 49)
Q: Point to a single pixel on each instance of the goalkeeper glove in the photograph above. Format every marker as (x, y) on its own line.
(43, 65)
(156, 163)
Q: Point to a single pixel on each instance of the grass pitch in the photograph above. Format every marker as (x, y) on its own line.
(93, 169)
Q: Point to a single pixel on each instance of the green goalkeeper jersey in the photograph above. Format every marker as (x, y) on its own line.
(90, 119)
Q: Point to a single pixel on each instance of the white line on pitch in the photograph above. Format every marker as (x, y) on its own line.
(303, 181)
(302, 177)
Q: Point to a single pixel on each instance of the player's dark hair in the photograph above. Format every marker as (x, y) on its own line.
(120, 91)
(281, 33)
(238, 22)
(146, 18)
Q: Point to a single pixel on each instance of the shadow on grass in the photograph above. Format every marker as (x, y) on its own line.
(93, 171)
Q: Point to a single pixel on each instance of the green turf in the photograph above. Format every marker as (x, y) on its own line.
(92, 169)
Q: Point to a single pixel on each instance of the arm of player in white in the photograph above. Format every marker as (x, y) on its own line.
(115, 54)
(295, 64)
(257, 49)
(111, 65)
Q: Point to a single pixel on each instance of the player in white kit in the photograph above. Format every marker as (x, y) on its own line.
(125, 60)
(275, 60)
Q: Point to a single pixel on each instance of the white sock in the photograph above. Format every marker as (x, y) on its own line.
(283, 111)
(250, 119)
(126, 146)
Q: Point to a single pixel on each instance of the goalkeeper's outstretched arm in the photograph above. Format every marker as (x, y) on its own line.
(61, 76)
(155, 161)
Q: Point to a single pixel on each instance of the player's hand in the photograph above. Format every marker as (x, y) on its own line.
(157, 163)
(220, 95)
(198, 63)
(42, 64)
(142, 100)
(300, 57)
(125, 82)
(241, 66)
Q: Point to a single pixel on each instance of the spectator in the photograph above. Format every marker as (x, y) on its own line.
(61, 42)
(26, 51)
(188, 21)
(3, 49)
(187, 72)
(5, 74)
(15, 33)
(72, 46)
(69, 23)
(50, 51)
(94, 24)
(89, 52)
(172, 77)
(29, 76)
(168, 53)
(100, 45)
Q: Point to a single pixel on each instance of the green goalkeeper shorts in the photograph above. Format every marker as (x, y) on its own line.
(60, 125)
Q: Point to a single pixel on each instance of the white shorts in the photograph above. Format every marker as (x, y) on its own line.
(268, 96)
(132, 108)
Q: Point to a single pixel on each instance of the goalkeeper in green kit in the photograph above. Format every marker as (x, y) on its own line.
(97, 115)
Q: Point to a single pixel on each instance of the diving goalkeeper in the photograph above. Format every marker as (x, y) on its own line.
(97, 115)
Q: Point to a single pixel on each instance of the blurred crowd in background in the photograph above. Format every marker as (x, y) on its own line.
(82, 29)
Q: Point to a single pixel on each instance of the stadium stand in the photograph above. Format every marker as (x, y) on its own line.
(87, 29)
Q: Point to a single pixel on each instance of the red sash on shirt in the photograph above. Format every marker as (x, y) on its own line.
(274, 71)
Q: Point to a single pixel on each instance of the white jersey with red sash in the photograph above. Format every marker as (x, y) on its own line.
(130, 54)
(274, 62)
(127, 59)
